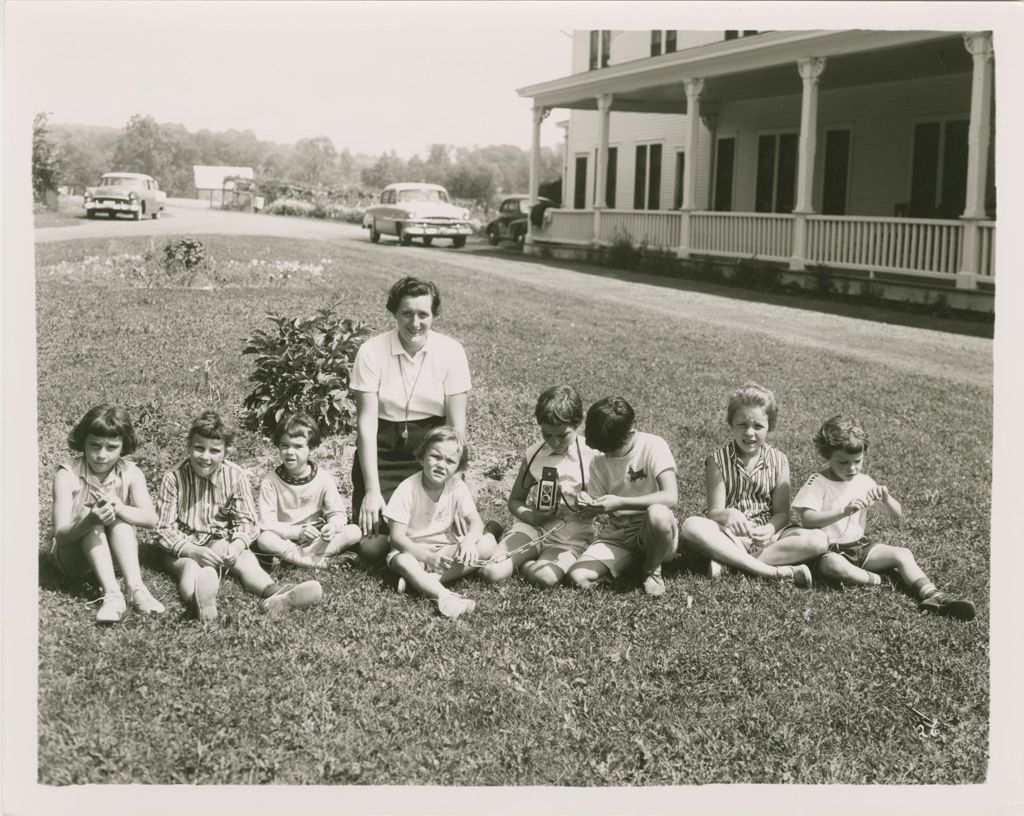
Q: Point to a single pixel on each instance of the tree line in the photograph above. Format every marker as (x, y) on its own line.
(77, 155)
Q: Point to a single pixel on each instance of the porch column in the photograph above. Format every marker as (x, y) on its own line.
(979, 46)
(539, 115)
(604, 108)
(693, 87)
(810, 70)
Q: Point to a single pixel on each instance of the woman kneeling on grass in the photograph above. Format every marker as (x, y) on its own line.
(99, 498)
(436, 533)
(832, 507)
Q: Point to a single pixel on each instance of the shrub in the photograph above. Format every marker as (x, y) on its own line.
(622, 254)
(290, 206)
(184, 255)
(341, 212)
(304, 364)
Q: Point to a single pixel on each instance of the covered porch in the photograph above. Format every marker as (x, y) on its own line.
(702, 82)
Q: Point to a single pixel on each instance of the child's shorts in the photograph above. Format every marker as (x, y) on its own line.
(434, 544)
(575, 535)
(618, 546)
(855, 552)
(69, 559)
(752, 547)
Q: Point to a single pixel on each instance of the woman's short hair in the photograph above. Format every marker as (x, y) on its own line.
(559, 405)
(753, 395)
(840, 433)
(414, 287)
(211, 425)
(298, 425)
(106, 421)
(444, 433)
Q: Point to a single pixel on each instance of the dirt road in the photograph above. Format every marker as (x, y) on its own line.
(957, 358)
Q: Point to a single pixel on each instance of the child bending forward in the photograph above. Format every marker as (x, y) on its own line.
(436, 533)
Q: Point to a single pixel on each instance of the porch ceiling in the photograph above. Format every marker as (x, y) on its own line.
(852, 59)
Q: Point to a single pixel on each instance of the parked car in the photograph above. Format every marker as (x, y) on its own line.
(424, 211)
(510, 225)
(136, 194)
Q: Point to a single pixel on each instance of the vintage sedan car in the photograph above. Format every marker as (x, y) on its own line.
(423, 211)
(510, 225)
(134, 194)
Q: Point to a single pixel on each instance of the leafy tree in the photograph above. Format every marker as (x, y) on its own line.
(142, 148)
(313, 161)
(474, 179)
(47, 158)
(387, 169)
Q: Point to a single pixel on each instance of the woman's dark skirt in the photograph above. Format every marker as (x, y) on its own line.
(395, 458)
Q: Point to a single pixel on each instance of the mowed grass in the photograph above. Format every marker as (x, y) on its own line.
(736, 681)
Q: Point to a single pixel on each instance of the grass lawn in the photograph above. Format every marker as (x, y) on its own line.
(736, 681)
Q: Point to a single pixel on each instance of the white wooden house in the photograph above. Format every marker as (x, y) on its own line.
(869, 152)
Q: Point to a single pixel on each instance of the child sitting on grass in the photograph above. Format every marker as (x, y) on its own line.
(747, 487)
(301, 515)
(436, 533)
(206, 523)
(99, 498)
(565, 456)
(634, 484)
(832, 509)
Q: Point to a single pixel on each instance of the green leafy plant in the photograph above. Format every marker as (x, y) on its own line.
(184, 255)
(304, 364)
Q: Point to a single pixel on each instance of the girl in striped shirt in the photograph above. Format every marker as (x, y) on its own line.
(747, 484)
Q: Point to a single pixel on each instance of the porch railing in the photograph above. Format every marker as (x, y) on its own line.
(916, 245)
(912, 246)
(642, 227)
(742, 235)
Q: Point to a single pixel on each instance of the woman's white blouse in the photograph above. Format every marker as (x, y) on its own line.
(422, 380)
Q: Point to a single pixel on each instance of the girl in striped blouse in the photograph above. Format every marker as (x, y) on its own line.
(747, 484)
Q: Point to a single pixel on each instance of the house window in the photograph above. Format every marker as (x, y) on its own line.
(600, 49)
(735, 35)
(938, 174)
(658, 37)
(725, 161)
(776, 173)
(610, 177)
(579, 196)
(647, 178)
(677, 193)
(835, 183)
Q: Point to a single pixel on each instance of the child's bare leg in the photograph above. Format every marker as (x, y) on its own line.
(288, 551)
(503, 569)
(550, 567)
(588, 574)
(706, 537)
(883, 557)
(250, 574)
(125, 546)
(418, 577)
(96, 549)
(836, 568)
(661, 536)
(795, 547)
(346, 538)
(373, 548)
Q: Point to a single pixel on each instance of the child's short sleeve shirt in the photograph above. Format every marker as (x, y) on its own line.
(632, 475)
(572, 467)
(426, 520)
(299, 504)
(821, 493)
(750, 490)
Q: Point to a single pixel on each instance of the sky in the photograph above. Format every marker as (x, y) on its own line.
(372, 77)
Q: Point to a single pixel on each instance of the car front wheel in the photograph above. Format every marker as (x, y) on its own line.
(90, 213)
(403, 239)
(141, 211)
(492, 237)
(428, 240)
(374, 235)
(156, 214)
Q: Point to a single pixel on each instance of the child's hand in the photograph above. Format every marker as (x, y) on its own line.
(206, 556)
(737, 523)
(877, 494)
(466, 551)
(232, 551)
(437, 561)
(327, 533)
(596, 505)
(855, 507)
(308, 534)
(116, 505)
(762, 533)
(102, 513)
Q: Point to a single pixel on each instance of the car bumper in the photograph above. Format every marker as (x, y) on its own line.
(112, 206)
(436, 230)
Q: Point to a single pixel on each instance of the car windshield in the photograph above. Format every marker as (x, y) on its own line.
(120, 181)
(422, 195)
